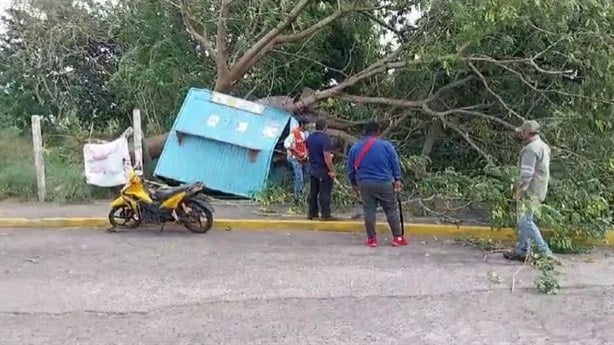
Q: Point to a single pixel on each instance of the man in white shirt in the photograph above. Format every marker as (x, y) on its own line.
(531, 190)
(296, 148)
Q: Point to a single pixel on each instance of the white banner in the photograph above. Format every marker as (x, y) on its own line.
(107, 164)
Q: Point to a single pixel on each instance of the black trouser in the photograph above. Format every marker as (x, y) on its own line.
(374, 193)
(320, 188)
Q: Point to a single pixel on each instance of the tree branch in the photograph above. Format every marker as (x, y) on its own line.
(420, 104)
(402, 102)
(499, 98)
(314, 61)
(464, 134)
(249, 58)
(221, 57)
(275, 37)
(381, 100)
(187, 22)
(543, 92)
(382, 65)
(463, 111)
(382, 23)
(340, 12)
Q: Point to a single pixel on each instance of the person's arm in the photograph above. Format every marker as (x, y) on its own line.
(395, 165)
(349, 166)
(393, 160)
(288, 142)
(327, 150)
(527, 171)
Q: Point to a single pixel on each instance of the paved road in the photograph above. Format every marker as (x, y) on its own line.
(90, 287)
(229, 209)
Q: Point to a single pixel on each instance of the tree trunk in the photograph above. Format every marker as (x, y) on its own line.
(431, 137)
(155, 144)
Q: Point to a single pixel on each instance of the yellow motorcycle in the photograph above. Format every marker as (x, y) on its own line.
(138, 203)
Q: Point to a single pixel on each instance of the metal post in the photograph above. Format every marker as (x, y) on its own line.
(138, 141)
(39, 159)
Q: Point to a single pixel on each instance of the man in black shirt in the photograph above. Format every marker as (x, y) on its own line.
(322, 172)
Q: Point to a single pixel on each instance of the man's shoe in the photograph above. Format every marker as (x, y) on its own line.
(514, 256)
(371, 242)
(399, 241)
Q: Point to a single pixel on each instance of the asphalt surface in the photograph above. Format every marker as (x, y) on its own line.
(91, 287)
(229, 209)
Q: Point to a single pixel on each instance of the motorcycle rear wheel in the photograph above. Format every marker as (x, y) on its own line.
(199, 220)
(124, 217)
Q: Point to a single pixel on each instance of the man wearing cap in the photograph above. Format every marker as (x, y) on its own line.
(531, 190)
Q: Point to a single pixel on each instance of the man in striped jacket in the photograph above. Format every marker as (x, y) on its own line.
(531, 190)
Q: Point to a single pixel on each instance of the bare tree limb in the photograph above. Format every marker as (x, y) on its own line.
(340, 12)
(401, 102)
(381, 100)
(348, 138)
(275, 37)
(381, 22)
(505, 65)
(202, 40)
(530, 61)
(382, 65)
(478, 114)
(464, 134)
(306, 58)
(418, 105)
(264, 44)
(497, 96)
(221, 57)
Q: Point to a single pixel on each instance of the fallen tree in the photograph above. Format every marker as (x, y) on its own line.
(450, 86)
(233, 62)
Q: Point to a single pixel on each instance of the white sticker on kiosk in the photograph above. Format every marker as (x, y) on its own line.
(242, 127)
(213, 120)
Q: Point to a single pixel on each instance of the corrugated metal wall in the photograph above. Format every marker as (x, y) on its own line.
(214, 143)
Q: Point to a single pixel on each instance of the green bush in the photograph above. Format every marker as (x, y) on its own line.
(578, 209)
(63, 170)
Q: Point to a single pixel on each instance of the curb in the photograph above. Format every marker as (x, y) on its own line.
(442, 230)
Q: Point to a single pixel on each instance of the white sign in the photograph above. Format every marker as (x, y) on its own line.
(242, 127)
(213, 120)
(107, 164)
(238, 103)
(270, 131)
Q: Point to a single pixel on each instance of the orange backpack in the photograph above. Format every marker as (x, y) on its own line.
(300, 146)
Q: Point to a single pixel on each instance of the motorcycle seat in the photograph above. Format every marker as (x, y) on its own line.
(165, 193)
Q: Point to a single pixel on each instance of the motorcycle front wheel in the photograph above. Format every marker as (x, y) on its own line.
(199, 219)
(124, 217)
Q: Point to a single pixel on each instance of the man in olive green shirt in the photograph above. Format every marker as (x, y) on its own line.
(531, 190)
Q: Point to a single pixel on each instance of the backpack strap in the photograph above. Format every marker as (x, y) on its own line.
(363, 152)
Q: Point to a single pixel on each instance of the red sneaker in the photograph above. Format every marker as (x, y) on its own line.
(371, 242)
(399, 241)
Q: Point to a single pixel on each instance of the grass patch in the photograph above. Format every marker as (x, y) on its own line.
(63, 169)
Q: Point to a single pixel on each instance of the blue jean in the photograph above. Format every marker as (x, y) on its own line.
(300, 171)
(529, 232)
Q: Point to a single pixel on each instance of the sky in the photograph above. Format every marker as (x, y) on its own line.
(4, 4)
